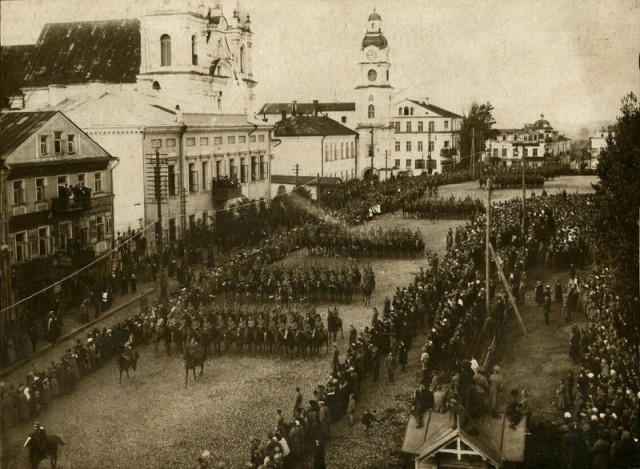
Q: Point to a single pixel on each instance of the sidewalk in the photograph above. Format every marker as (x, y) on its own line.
(73, 326)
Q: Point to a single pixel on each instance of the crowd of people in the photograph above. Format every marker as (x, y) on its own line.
(353, 201)
(442, 209)
(512, 179)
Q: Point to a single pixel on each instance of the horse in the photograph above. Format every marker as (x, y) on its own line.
(318, 338)
(158, 336)
(193, 357)
(334, 324)
(49, 449)
(289, 341)
(125, 362)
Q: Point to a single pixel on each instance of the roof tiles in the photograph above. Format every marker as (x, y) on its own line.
(17, 127)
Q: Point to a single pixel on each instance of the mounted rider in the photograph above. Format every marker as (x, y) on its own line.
(37, 437)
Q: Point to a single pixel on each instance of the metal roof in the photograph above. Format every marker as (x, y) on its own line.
(81, 52)
(17, 127)
(310, 126)
(306, 108)
(375, 39)
(13, 62)
(436, 109)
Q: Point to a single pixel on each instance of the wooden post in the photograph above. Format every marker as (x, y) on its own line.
(506, 287)
(487, 253)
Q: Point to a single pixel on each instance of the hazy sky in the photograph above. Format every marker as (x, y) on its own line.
(571, 60)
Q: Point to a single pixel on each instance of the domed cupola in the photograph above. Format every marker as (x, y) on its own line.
(374, 36)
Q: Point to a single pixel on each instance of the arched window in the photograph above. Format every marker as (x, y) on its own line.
(342, 150)
(406, 110)
(219, 104)
(371, 97)
(194, 50)
(399, 111)
(219, 48)
(156, 86)
(372, 111)
(165, 50)
(411, 111)
(243, 58)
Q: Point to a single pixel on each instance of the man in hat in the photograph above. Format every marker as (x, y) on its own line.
(547, 305)
(37, 437)
(390, 365)
(297, 406)
(496, 381)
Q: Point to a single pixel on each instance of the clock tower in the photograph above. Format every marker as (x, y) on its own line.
(373, 101)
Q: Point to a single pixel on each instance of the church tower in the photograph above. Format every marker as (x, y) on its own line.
(373, 101)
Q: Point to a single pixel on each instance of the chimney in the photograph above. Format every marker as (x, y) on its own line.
(179, 114)
(315, 107)
(294, 108)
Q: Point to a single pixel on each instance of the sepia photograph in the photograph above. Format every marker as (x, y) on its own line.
(319, 234)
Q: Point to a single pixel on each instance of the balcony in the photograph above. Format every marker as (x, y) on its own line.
(66, 205)
(448, 152)
(225, 189)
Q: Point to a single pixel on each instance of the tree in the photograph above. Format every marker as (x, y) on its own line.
(481, 119)
(618, 201)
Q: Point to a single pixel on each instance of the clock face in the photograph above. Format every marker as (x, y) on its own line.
(371, 55)
(372, 75)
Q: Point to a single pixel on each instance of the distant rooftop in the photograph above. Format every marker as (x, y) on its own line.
(310, 126)
(306, 108)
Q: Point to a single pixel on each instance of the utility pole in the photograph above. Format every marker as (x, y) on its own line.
(386, 155)
(318, 189)
(473, 152)
(487, 251)
(429, 147)
(371, 153)
(524, 198)
(296, 169)
(158, 193)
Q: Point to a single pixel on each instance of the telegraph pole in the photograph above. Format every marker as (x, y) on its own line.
(296, 169)
(386, 155)
(473, 152)
(158, 193)
(371, 153)
(524, 197)
(487, 251)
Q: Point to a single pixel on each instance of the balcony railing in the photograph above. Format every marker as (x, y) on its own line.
(221, 194)
(448, 152)
(66, 205)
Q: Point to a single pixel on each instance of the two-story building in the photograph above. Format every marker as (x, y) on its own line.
(314, 146)
(57, 203)
(537, 143)
(427, 137)
(598, 144)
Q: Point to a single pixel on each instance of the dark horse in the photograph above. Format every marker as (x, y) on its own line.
(48, 449)
(334, 324)
(193, 357)
(127, 361)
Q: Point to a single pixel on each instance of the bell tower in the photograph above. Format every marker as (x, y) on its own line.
(373, 100)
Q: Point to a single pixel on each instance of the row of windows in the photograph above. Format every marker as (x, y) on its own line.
(409, 126)
(165, 52)
(41, 184)
(409, 145)
(514, 152)
(191, 141)
(200, 176)
(345, 151)
(527, 137)
(408, 164)
(39, 242)
(62, 144)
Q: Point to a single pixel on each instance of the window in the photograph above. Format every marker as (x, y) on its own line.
(406, 110)
(397, 163)
(219, 47)
(217, 140)
(343, 119)
(171, 179)
(335, 152)
(64, 234)
(21, 246)
(100, 231)
(408, 164)
(18, 192)
(173, 230)
(97, 182)
(408, 147)
(408, 126)
(156, 143)
(372, 75)
(353, 155)
(40, 189)
(231, 140)
(446, 143)
(218, 168)
(535, 152)
(326, 153)
(252, 138)
(205, 218)
(205, 175)
(233, 168)
(397, 146)
(71, 144)
(504, 152)
(342, 150)
(515, 151)
(370, 97)
(260, 138)
(431, 126)
(44, 145)
(243, 170)
(411, 111)
(243, 59)
(504, 137)
(372, 111)
(191, 142)
(62, 183)
(57, 142)
(446, 124)
(420, 126)
(192, 221)
(242, 139)
(495, 152)
(43, 241)
(193, 178)
(264, 170)
(255, 170)
(171, 143)
(346, 150)
(399, 111)
(420, 145)
(397, 124)
(165, 50)
(431, 145)
(525, 152)
(194, 50)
